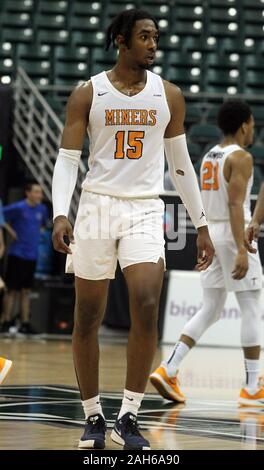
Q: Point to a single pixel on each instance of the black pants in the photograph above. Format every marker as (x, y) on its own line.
(19, 273)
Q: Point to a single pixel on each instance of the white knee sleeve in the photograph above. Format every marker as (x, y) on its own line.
(249, 303)
(213, 303)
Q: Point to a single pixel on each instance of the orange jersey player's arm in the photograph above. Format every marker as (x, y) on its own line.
(237, 171)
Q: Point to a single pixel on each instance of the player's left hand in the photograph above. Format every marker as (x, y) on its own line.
(251, 236)
(205, 249)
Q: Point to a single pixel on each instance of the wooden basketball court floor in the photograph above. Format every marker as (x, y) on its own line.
(40, 406)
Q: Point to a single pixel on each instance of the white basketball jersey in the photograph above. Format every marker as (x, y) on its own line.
(214, 185)
(126, 139)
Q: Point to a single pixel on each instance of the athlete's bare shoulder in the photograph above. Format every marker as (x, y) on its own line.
(240, 162)
(173, 92)
(240, 156)
(174, 97)
(81, 98)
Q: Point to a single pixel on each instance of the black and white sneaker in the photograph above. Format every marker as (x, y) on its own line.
(94, 433)
(126, 433)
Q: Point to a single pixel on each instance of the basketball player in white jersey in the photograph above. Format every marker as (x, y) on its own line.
(128, 111)
(226, 181)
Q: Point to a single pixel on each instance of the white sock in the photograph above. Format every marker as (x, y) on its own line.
(172, 364)
(92, 406)
(130, 403)
(252, 367)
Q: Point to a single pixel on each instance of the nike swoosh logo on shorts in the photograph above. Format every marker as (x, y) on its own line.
(101, 94)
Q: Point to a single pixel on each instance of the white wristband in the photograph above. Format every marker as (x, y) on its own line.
(64, 180)
(184, 178)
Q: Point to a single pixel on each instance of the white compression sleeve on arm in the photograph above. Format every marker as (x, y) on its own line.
(184, 178)
(64, 180)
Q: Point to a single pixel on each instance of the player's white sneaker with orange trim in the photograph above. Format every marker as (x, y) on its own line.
(168, 387)
(246, 399)
(5, 366)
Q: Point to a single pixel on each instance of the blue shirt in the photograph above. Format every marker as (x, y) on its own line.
(27, 221)
(2, 220)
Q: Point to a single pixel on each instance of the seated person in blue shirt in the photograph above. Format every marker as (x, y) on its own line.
(26, 218)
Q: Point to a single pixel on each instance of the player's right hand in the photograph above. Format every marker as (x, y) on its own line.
(241, 264)
(251, 235)
(62, 228)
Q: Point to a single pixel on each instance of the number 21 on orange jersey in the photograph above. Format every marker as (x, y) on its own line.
(210, 176)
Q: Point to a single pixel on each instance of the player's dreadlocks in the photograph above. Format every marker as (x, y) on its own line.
(123, 24)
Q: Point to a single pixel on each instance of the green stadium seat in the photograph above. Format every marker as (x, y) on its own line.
(222, 78)
(73, 62)
(182, 77)
(258, 4)
(51, 7)
(253, 31)
(254, 16)
(93, 8)
(19, 6)
(215, 28)
(183, 59)
(222, 14)
(186, 28)
(203, 133)
(85, 23)
(238, 45)
(31, 52)
(16, 20)
(254, 81)
(53, 37)
(57, 22)
(76, 71)
(89, 39)
(36, 69)
(170, 42)
(220, 61)
(187, 13)
(72, 54)
(253, 62)
(17, 36)
(191, 43)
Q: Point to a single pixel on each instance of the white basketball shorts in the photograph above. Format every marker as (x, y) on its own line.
(108, 229)
(219, 273)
